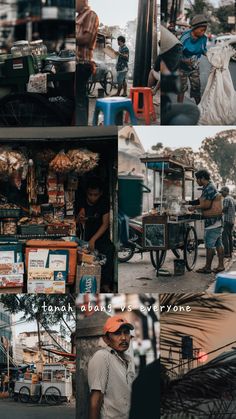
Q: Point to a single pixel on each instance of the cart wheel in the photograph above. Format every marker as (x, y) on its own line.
(29, 110)
(177, 253)
(36, 397)
(125, 254)
(157, 258)
(91, 87)
(52, 395)
(190, 248)
(107, 83)
(24, 394)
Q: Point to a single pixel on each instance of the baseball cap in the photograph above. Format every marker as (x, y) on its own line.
(114, 323)
(225, 189)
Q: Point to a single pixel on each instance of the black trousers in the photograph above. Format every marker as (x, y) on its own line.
(228, 238)
(107, 248)
(83, 72)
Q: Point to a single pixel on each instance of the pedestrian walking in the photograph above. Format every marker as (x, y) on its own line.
(86, 33)
(122, 66)
(194, 43)
(111, 373)
(228, 221)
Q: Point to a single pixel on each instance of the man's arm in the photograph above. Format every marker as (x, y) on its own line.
(203, 204)
(95, 403)
(100, 231)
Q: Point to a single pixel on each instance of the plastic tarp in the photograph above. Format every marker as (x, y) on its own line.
(218, 103)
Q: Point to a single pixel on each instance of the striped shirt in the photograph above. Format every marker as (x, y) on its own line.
(86, 22)
(229, 209)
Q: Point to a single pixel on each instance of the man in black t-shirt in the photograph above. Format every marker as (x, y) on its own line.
(94, 215)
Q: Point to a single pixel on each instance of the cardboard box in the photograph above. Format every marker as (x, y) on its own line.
(11, 268)
(46, 287)
(88, 279)
(11, 280)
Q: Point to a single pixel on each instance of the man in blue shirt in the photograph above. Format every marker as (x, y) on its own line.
(122, 66)
(194, 43)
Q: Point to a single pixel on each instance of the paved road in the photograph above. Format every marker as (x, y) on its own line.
(204, 73)
(138, 276)
(10, 410)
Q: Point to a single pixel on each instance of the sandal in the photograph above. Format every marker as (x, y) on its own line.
(217, 270)
(204, 270)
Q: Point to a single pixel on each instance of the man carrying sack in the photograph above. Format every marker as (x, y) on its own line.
(210, 203)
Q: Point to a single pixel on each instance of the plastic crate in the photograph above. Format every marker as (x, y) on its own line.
(32, 229)
(10, 212)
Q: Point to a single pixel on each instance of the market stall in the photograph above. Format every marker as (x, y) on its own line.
(169, 225)
(36, 88)
(41, 187)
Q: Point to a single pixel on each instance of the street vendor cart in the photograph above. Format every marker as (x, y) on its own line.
(54, 388)
(36, 91)
(170, 226)
(56, 383)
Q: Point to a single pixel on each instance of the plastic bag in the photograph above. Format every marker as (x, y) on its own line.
(218, 103)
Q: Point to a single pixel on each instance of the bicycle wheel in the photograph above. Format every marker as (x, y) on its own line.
(24, 394)
(29, 110)
(107, 83)
(157, 258)
(190, 248)
(52, 396)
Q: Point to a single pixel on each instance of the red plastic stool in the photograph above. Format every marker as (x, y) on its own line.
(147, 110)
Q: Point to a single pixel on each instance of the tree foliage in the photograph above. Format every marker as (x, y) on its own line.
(32, 308)
(222, 13)
(222, 150)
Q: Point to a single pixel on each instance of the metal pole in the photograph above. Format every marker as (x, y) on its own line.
(143, 48)
(8, 363)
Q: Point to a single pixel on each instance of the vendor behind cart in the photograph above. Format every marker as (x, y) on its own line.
(213, 224)
(94, 215)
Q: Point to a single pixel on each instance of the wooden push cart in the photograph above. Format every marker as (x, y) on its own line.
(170, 226)
(55, 387)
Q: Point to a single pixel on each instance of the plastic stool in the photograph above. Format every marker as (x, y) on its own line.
(147, 110)
(111, 107)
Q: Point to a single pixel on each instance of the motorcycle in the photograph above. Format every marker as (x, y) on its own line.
(135, 245)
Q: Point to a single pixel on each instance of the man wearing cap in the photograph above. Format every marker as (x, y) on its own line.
(213, 224)
(194, 43)
(111, 373)
(229, 220)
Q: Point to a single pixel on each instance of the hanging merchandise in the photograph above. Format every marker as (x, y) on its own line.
(32, 183)
(218, 104)
(61, 163)
(12, 161)
(83, 160)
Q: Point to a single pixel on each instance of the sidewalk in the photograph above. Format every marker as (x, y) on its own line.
(230, 265)
(94, 96)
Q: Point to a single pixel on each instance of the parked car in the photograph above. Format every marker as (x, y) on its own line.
(225, 282)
